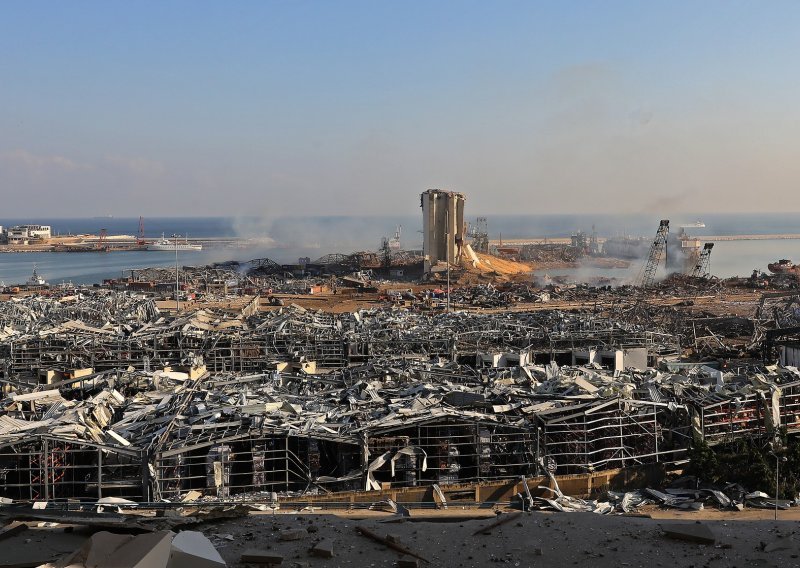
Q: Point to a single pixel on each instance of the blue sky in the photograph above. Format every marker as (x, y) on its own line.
(234, 108)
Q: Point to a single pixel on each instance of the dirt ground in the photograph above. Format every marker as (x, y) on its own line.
(40, 543)
(445, 538)
(741, 302)
(530, 539)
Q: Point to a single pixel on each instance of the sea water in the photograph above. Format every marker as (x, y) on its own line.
(286, 239)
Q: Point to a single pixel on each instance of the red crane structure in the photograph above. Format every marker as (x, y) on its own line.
(102, 242)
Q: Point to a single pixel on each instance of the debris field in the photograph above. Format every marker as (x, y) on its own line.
(104, 396)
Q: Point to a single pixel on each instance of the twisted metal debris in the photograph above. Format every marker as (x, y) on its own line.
(105, 396)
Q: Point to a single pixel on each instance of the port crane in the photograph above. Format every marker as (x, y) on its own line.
(657, 250)
(703, 267)
(102, 242)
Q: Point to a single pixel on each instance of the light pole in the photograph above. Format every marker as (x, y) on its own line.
(447, 256)
(777, 482)
(778, 461)
(177, 301)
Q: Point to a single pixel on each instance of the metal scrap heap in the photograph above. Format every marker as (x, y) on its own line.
(103, 396)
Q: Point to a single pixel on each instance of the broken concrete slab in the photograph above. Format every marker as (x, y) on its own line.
(323, 549)
(191, 549)
(144, 551)
(149, 550)
(694, 532)
(13, 531)
(100, 548)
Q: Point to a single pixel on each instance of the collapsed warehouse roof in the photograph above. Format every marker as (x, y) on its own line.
(44, 333)
(105, 396)
(157, 435)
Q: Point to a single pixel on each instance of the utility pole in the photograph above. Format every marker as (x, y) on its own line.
(447, 256)
(777, 481)
(177, 301)
(778, 461)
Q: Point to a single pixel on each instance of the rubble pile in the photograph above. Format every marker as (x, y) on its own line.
(491, 296)
(685, 493)
(203, 277)
(103, 396)
(98, 308)
(160, 434)
(276, 285)
(142, 338)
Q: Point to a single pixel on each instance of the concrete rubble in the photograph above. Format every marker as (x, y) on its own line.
(161, 549)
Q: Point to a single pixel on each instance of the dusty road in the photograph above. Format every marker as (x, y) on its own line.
(446, 538)
(531, 539)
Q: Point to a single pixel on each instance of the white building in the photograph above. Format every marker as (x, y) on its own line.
(23, 234)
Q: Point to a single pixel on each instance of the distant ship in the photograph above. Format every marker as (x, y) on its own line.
(35, 279)
(171, 246)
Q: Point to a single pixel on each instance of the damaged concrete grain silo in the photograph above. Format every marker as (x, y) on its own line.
(442, 227)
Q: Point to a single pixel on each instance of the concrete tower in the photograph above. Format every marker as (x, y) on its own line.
(442, 227)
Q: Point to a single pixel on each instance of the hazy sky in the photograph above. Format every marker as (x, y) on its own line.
(260, 107)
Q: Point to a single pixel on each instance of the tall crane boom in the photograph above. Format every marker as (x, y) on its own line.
(656, 252)
(703, 267)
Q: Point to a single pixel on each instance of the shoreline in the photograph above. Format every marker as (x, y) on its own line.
(704, 238)
(126, 243)
(119, 243)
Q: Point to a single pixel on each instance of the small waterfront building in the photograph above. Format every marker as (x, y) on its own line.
(23, 234)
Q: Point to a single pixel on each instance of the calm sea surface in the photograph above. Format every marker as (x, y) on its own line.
(286, 239)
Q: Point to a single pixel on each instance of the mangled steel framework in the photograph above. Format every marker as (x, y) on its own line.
(105, 396)
(83, 333)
